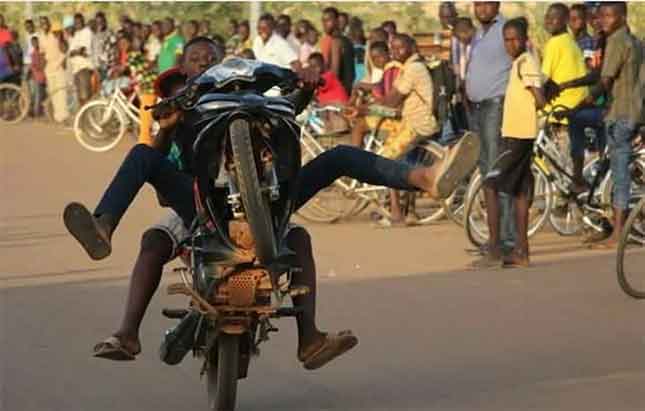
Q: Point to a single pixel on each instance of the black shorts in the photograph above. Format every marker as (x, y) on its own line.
(511, 172)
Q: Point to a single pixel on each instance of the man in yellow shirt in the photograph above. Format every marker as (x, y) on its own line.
(563, 60)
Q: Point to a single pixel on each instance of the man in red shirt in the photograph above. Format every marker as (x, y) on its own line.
(5, 34)
(332, 92)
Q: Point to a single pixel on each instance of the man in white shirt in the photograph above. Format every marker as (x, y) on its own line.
(283, 28)
(80, 47)
(271, 48)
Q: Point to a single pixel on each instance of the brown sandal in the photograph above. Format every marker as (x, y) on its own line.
(113, 349)
(332, 347)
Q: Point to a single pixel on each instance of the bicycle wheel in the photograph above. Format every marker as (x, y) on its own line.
(455, 205)
(332, 203)
(476, 221)
(14, 103)
(98, 127)
(630, 256)
(565, 216)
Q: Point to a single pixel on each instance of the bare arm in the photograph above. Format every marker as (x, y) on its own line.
(394, 99)
(334, 64)
(538, 95)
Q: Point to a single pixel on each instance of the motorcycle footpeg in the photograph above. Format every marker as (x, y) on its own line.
(174, 313)
(297, 290)
(288, 311)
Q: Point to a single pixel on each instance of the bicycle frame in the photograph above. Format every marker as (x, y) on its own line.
(118, 101)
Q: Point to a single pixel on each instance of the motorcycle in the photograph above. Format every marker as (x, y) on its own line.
(238, 269)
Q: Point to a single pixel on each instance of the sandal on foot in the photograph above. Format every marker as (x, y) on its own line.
(332, 347)
(86, 230)
(459, 161)
(113, 349)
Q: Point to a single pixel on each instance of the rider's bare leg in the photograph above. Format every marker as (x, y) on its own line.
(308, 334)
(156, 251)
(396, 215)
(358, 132)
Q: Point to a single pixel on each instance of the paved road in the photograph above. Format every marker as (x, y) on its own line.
(433, 335)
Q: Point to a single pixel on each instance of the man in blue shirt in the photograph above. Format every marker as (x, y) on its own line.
(486, 79)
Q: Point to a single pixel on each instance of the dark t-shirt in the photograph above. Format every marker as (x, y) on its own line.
(347, 70)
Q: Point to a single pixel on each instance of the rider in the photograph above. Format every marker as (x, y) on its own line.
(150, 164)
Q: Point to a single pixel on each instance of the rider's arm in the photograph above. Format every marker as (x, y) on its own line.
(540, 101)
(590, 79)
(301, 99)
(168, 127)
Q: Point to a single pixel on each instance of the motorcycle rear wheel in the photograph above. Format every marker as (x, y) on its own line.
(256, 202)
(221, 376)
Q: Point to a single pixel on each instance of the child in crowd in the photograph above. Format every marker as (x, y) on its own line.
(511, 172)
(464, 31)
(332, 92)
(309, 46)
(37, 73)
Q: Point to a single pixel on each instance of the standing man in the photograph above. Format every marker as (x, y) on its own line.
(486, 80)
(337, 50)
(54, 70)
(153, 44)
(27, 49)
(80, 47)
(283, 28)
(103, 45)
(271, 48)
(447, 15)
(172, 45)
(619, 78)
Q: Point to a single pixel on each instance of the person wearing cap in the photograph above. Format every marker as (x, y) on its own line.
(54, 67)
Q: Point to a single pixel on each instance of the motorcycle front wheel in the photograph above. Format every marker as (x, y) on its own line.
(254, 198)
(222, 373)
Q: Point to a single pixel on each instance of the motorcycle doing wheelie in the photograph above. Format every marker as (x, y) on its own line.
(238, 269)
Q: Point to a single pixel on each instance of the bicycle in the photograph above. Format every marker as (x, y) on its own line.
(630, 256)
(589, 210)
(347, 197)
(15, 100)
(101, 124)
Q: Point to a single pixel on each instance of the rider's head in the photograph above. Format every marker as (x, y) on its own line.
(317, 62)
(380, 54)
(199, 54)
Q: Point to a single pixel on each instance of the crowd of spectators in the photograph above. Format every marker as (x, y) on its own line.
(386, 66)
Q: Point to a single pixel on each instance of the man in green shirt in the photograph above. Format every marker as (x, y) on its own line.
(172, 46)
(619, 78)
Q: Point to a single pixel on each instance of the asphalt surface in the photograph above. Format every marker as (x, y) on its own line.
(434, 335)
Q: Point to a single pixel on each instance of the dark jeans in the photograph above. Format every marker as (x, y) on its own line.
(486, 120)
(146, 165)
(586, 118)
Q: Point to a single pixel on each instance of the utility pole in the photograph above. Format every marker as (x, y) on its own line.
(29, 10)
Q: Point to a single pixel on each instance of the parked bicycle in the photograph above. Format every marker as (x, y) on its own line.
(569, 212)
(630, 256)
(100, 125)
(14, 102)
(346, 197)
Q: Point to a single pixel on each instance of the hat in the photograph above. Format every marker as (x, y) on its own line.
(165, 78)
(56, 26)
(68, 21)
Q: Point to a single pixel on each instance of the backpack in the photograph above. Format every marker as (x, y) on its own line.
(444, 88)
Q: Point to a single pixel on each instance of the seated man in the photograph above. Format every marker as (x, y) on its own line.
(150, 164)
(412, 92)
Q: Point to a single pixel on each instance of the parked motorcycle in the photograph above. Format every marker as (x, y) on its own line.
(239, 269)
